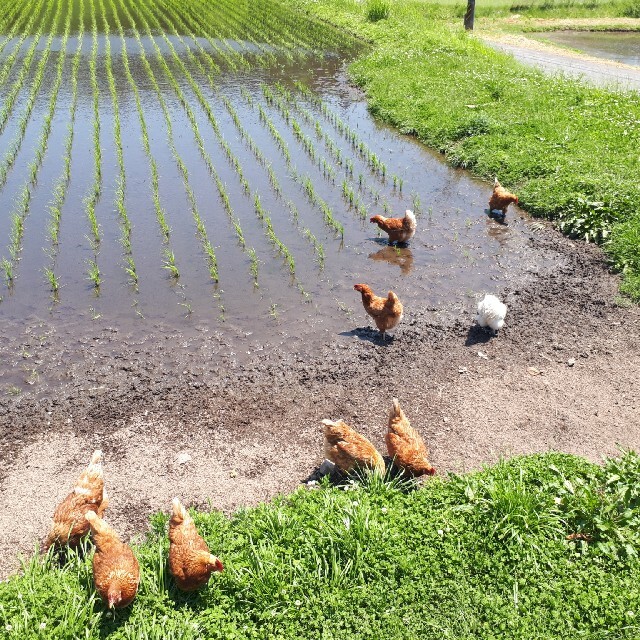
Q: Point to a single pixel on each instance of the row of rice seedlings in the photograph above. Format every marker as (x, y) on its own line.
(372, 159)
(234, 59)
(273, 179)
(271, 20)
(236, 29)
(9, 102)
(235, 163)
(20, 26)
(201, 230)
(125, 223)
(255, 30)
(269, 230)
(275, 134)
(348, 192)
(327, 212)
(155, 190)
(170, 17)
(199, 140)
(305, 181)
(318, 35)
(21, 210)
(212, 18)
(271, 234)
(61, 185)
(91, 199)
(231, 58)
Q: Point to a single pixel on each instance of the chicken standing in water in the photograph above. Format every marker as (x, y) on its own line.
(386, 312)
(501, 199)
(399, 229)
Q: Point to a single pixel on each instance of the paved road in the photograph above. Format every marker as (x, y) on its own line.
(600, 73)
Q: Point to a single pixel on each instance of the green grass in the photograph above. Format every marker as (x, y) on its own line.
(568, 150)
(480, 556)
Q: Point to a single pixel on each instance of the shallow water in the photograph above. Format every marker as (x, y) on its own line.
(619, 46)
(457, 253)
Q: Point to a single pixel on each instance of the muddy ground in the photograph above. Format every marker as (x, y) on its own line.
(178, 417)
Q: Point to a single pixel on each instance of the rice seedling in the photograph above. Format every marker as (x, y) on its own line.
(52, 280)
(93, 274)
(254, 266)
(169, 264)
(7, 269)
(415, 200)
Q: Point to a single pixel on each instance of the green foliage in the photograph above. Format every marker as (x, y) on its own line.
(377, 10)
(482, 556)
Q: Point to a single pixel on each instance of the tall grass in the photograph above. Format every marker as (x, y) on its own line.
(484, 555)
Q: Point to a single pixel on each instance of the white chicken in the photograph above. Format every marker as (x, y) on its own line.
(491, 312)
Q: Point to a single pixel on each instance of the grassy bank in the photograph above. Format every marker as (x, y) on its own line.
(478, 556)
(569, 151)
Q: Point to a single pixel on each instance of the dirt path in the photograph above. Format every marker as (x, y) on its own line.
(602, 73)
(195, 423)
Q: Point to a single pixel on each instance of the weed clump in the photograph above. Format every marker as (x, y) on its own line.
(377, 10)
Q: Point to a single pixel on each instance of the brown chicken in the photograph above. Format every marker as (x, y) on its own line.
(398, 229)
(386, 312)
(405, 445)
(349, 450)
(501, 198)
(116, 572)
(69, 524)
(190, 562)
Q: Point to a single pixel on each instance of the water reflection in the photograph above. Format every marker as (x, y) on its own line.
(399, 256)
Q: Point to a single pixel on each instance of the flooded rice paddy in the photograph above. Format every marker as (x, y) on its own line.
(618, 46)
(161, 174)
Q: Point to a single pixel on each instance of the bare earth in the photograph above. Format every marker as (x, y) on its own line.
(562, 375)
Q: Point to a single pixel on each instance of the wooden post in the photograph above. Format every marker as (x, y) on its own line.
(469, 15)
